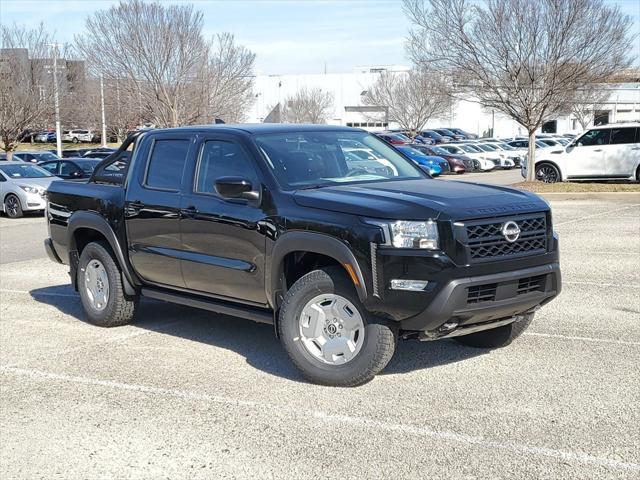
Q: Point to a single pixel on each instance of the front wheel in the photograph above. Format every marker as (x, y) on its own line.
(324, 329)
(496, 337)
(12, 206)
(547, 173)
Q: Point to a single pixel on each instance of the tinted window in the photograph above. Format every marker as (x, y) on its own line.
(595, 137)
(51, 167)
(623, 135)
(67, 168)
(222, 159)
(166, 164)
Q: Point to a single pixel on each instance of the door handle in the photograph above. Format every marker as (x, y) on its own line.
(133, 208)
(598, 150)
(635, 148)
(190, 211)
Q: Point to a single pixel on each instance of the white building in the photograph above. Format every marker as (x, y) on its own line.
(349, 110)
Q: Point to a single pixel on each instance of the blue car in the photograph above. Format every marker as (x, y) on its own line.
(435, 165)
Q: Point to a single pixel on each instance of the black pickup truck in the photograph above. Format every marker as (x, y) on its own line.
(276, 224)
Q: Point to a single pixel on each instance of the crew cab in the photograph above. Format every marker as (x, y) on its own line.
(271, 223)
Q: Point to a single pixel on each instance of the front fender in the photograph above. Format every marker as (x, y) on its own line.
(313, 243)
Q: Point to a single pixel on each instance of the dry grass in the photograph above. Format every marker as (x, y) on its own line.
(577, 187)
(65, 146)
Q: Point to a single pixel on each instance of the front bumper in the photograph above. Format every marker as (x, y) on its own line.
(33, 201)
(51, 251)
(457, 302)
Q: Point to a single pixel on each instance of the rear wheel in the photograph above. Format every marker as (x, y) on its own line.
(12, 206)
(496, 337)
(75, 140)
(547, 173)
(325, 330)
(101, 289)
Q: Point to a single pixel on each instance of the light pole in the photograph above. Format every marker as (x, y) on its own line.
(55, 98)
(104, 121)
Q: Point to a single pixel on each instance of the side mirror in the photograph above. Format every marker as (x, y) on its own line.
(236, 188)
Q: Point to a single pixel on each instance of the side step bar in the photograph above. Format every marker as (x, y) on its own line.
(224, 308)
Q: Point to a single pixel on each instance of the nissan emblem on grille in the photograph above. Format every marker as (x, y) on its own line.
(511, 231)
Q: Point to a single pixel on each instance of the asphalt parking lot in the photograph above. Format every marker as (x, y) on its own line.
(188, 394)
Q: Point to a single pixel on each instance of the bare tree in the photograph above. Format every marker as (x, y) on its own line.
(524, 58)
(158, 52)
(25, 83)
(307, 105)
(411, 98)
(585, 101)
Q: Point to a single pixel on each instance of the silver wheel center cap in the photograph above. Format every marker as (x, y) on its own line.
(331, 329)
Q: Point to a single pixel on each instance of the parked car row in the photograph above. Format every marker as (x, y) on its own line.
(73, 136)
(457, 156)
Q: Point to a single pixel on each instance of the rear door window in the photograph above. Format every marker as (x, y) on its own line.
(622, 135)
(166, 164)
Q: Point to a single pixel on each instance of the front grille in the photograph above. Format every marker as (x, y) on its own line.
(485, 241)
(531, 284)
(482, 293)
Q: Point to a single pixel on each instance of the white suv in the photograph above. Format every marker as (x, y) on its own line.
(76, 136)
(608, 152)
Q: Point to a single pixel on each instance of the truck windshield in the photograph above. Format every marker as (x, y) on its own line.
(24, 171)
(317, 159)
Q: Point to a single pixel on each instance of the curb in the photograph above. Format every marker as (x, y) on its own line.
(627, 196)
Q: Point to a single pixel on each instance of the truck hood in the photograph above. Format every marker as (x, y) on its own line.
(421, 199)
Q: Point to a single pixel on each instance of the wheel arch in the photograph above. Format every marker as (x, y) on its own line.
(85, 227)
(310, 243)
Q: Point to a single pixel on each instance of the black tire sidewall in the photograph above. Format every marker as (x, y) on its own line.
(538, 167)
(327, 282)
(19, 212)
(99, 252)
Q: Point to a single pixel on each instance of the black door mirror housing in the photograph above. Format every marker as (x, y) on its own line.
(236, 188)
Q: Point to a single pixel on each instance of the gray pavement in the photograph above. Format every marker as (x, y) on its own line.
(188, 394)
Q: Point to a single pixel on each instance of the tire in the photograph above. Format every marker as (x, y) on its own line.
(638, 174)
(547, 173)
(75, 140)
(374, 343)
(13, 207)
(117, 309)
(496, 337)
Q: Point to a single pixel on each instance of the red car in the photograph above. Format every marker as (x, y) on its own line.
(457, 163)
(395, 138)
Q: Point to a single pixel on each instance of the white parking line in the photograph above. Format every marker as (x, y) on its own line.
(586, 217)
(40, 294)
(583, 339)
(358, 422)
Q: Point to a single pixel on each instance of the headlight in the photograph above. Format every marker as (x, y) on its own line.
(29, 189)
(405, 234)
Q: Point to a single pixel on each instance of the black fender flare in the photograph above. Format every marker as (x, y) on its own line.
(552, 163)
(94, 221)
(313, 243)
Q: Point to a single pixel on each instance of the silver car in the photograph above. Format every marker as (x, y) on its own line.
(23, 187)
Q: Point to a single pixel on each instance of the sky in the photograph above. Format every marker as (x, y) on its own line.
(288, 36)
